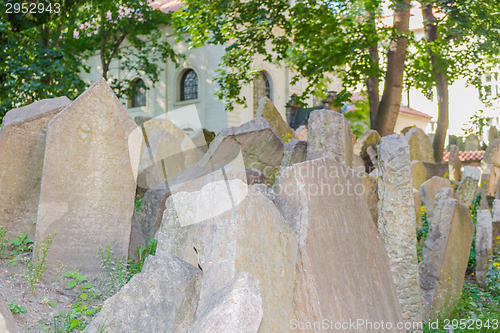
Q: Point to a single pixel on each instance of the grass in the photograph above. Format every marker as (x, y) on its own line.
(36, 267)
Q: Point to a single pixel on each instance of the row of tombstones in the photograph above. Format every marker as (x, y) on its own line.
(259, 232)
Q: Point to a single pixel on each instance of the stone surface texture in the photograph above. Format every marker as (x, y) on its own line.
(455, 163)
(88, 185)
(484, 235)
(268, 111)
(22, 149)
(162, 298)
(294, 151)
(468, 185)
(323, 202)
(418, 174)
(420, 145)
(429, 189)
(329, 135)
(397, 221)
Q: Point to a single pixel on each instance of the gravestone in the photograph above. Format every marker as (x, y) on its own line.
(436, 169)
(235, 308)
(370, 138)
(417, 202)
(371, 194)
(418, 174)
(22, 149)
(492, 156)
(259, 145)
(472, 143)
(88, 185)
(397, 221)
(294, 151)
(496, 224)
(161, 298)
(445, 256)
(468, 185)
(492, 134)
(268, 111)
(329, 135)
(420, 145)
(323, 202)
(429, 189)
(484, 235)
(455, 164)
(301, 133)
(165, 152)
(251, 237)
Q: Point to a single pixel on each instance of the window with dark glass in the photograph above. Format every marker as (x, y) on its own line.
(189, 85)
(138, 97)
(261, 88)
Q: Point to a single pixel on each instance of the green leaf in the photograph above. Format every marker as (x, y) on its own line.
(71, 284)
(52, 304)
(84, 296)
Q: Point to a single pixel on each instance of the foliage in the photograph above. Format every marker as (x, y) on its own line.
(21, 245)
(473, 213)
(422, 232)
(138, 202)
(15, 308)
(358, 114)
(115, 271)
(3, 242)
(135, 266)
(477, 124)
(36, 267)
(313, 38)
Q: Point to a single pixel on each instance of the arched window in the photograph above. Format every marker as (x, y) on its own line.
(138, 97)
(261, 88)
(189, 85)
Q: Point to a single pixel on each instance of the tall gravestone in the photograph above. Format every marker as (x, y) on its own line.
(397, 221)
(455, 164)
(88, 185)
(468, 185)
(492, 156)
(323, 202)
(329, 135)
(472, 143)
(418, 174)
(268, 111)
(22, 148)
(429, 189)
(484, 235)
(420, 145)
(445, 255)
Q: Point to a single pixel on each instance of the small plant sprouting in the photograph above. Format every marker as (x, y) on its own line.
(3, 242)
(135, 266)
(15, 308)
(20, 245)
(36, 267)
(115, 271)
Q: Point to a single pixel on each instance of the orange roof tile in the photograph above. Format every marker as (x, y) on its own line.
(469, 155)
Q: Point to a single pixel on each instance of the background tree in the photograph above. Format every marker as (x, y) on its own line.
(462, 37)
(313, 38)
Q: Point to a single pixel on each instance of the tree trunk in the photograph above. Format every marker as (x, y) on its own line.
(393, 88)
(431, 34)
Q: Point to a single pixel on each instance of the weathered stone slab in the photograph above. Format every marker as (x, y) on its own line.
(249, 237)
(420, 145)
(22, 148)
(259, 145)
(235, 308)
(445, 256)
(165, 152)
(88, 185)
(472, 143)
(491, 185)
(492, 153)
(329, 135)
(294, 151)
(429, 189)
(371, 194)
(468, 185)
(397, 221)
(455, 164)
(323, 202)
(417, 202)
(370, 138)
(7, 322)
(496, 224)
(484, 235)
(418, 174)
(301, 133)
(436, 169)
(162, 298)
(268, 111)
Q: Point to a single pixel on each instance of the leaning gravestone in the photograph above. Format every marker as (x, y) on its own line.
(251, 237)
(429, 189)
(420, 145)
(235, 308)
(418, 174)
(323, 202)
(259, 145)
(445, 255)
(329, 135)
(397, 221)
(484, 235)
(88, 184)
(455, 164)
(22, 148)
(268, 111)
(294, 151)
(436, 169)
(161, 298)
(468, 185)
(472, 143)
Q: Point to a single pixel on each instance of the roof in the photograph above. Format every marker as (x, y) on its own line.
(166, 5)
(413, 112)
(467, 156)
